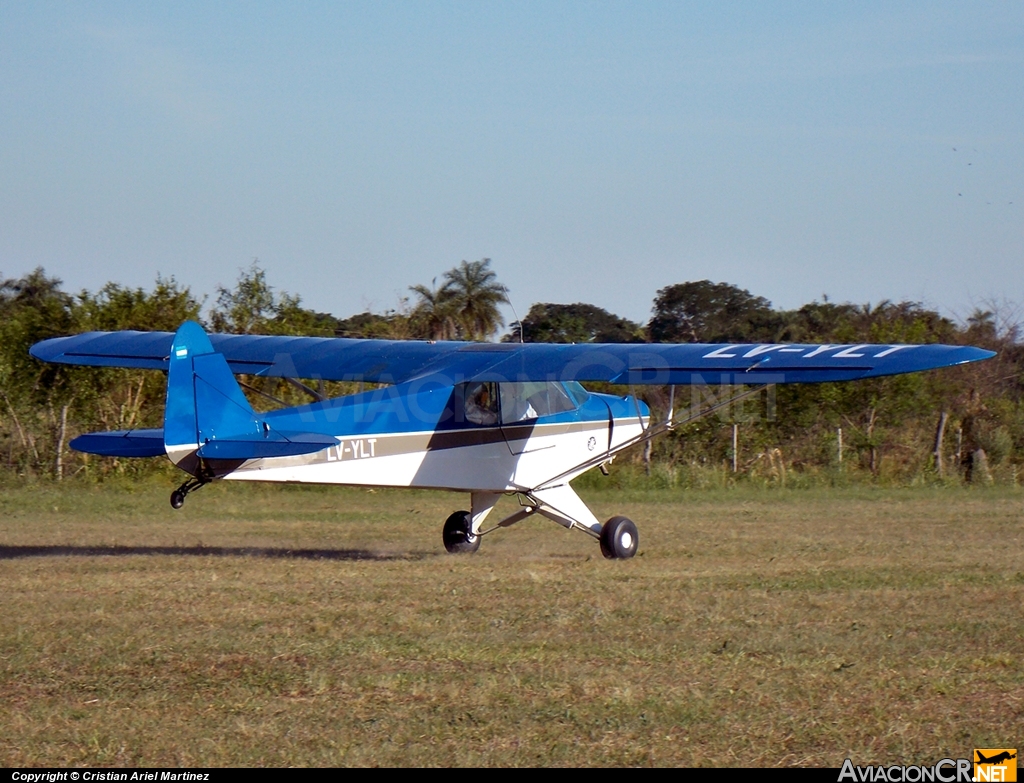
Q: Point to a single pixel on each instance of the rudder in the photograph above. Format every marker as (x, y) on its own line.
(204, 401)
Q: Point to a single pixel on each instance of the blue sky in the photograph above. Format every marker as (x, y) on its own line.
(595, 151)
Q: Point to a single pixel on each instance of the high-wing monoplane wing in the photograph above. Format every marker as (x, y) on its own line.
(398, 361)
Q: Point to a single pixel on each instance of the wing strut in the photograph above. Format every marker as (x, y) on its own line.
(557, 501)
(318, 396)
(636, 404)
(652, 432)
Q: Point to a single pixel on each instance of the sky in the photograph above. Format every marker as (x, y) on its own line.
(595, 151)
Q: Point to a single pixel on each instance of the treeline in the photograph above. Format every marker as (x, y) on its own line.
(963, 424)
(960, 424)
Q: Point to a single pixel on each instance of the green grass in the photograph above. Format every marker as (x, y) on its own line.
(327, 626)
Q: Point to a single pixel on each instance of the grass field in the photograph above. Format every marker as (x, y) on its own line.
(327, 627)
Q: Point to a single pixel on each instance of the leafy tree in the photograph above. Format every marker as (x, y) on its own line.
(112, 399)
(820, 322)
(574, 323)
(115, 307)
(33, 308)
(390, 325)
(706, 312)
(253, 307)
(249, 307)
(291, 318)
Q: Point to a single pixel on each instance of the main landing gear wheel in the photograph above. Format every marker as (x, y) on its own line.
(177, 499)
(619, 538)
(458, 536)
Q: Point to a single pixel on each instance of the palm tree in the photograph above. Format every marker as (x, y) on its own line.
(475, 295)
(434, 315)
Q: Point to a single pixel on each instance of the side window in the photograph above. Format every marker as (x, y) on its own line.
(481, 401)
(531, 400)
(515, 403)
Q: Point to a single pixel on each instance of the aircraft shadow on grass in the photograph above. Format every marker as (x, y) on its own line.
(272, 553)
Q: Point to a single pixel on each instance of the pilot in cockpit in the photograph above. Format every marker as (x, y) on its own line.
(481, 404)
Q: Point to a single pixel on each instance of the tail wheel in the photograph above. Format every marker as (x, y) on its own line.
(179, 495)
(458, 533)
(619, 538)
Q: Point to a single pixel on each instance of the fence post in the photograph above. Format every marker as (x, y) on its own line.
(735, 447)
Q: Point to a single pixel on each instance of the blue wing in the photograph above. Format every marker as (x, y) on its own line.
(398, 361)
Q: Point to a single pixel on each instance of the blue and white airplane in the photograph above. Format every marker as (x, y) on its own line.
(490, 419)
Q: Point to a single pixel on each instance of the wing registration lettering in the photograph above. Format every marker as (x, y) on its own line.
(761, 349)
(720, 353)
(892, 349)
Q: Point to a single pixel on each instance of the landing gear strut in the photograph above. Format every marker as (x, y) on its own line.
(464, 529)
(458, 533)
(179, 495)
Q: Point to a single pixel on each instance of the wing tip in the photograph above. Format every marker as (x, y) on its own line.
(970, 353)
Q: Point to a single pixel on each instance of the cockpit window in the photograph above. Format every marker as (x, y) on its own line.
(481, 401)
(532, 399)
(487, 403)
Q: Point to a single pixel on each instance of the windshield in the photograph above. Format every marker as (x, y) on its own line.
(577, 392)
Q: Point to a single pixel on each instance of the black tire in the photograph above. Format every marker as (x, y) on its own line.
(457, 536)
(177, 499)
(619, 538)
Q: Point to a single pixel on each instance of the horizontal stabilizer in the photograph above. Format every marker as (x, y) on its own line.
(122, 443)
(276, 444)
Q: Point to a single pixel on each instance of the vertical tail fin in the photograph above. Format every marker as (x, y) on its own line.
(208, 417)
(204, 401)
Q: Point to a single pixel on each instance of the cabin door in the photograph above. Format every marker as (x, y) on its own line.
(535, 413)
